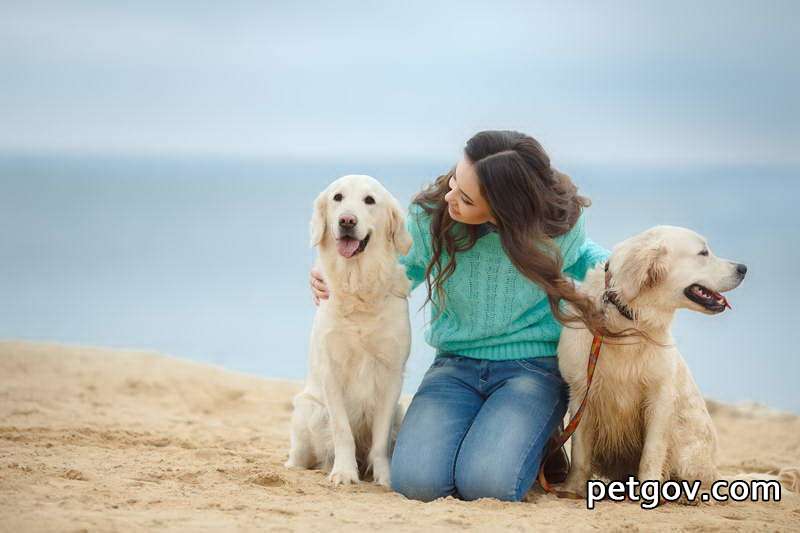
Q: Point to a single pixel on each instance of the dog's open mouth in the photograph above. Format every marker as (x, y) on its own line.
(349, 246)
(711, 300)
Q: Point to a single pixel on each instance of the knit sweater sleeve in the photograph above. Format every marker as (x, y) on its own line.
(589, 255)
(418, 255)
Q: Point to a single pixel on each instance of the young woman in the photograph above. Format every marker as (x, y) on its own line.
(496, 241)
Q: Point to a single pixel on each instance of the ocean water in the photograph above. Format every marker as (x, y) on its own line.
(208, 258)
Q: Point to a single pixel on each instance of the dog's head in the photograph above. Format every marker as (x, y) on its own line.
(353, 212)
(671, 268)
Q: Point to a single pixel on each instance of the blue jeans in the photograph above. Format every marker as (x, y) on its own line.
(477, 428)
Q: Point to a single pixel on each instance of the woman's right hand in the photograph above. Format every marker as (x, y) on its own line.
(319, 290)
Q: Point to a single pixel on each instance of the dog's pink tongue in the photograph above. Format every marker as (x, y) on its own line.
(347, 247)
(727, 304)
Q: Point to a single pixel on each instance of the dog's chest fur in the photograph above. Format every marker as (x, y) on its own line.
(361, 353)
(364, 337)
(617, 407)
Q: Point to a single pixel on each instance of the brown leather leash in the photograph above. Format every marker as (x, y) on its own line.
(609, 296)
(594, 355)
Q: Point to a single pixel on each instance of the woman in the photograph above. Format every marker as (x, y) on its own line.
(496, 241)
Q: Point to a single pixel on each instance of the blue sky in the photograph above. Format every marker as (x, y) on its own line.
(617, 82)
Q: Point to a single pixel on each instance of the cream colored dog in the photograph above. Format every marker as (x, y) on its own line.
(645, 415)
(348, 414)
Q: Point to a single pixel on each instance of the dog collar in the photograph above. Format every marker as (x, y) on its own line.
(610, 296)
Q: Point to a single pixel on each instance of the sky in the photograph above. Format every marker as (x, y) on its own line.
(653, 83)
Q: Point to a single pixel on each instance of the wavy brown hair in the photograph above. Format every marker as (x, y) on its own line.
(532, 204)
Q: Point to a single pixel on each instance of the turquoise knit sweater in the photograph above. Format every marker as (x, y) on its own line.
(491, 310)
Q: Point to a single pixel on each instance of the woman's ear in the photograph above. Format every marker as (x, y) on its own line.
(642, 265)
(318, 219)
(397, 233)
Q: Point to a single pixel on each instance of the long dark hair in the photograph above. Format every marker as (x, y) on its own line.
(531, 202)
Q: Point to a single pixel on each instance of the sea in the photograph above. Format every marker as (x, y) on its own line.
(207, 258)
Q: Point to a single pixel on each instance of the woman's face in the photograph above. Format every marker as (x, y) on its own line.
(465, 202)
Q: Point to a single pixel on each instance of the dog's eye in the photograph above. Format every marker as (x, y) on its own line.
(704, 252)
(338, 197)
(369, 200)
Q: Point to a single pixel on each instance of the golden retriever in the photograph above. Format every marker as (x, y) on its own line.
(645, 415)
(345, 420)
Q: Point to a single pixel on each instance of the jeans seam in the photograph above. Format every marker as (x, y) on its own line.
(524, 456)
(458, 450)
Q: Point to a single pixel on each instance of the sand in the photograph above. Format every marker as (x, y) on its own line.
(95, 439)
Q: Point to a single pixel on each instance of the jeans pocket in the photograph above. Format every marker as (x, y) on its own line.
(439, 362)
(445, 358)
(442, 359)
(542, 368)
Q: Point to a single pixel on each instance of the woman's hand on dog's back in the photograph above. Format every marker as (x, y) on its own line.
(319, 290)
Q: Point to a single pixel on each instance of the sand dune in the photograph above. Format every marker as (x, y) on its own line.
(97, 439)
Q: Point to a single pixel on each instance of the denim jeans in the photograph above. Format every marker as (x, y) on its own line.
(477, 428)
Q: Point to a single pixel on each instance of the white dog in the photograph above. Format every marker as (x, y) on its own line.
(645, 415)
(348, 414)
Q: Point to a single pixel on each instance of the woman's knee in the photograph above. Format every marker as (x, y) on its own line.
(485, 480)
(418, 483)
(421, 476)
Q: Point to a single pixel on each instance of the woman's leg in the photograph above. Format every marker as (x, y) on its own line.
(434, 426)
(500, 455)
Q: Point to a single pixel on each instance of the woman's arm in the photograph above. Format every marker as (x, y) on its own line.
(415, 261)
(590, 254)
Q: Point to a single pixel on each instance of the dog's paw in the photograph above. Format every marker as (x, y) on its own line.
(298, 462)
(573, 488)
(380, 473)
(575, 484)
(294, 465)
(343, 477)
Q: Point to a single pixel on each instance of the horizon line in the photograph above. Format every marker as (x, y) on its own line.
(372, 158)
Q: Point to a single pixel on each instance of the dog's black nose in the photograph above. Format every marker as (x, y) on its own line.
(347, 221)
(741, 269)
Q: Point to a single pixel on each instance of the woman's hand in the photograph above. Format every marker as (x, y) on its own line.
(319, 290)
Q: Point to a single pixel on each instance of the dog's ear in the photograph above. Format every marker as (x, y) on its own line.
(643, 266)
(318, 219)
(396, 232)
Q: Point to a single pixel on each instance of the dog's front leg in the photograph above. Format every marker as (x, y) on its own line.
(345, 468)
(382, 428)
(581, 456)
(658, 419)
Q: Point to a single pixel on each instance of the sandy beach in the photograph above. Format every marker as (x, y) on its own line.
(94, 439)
